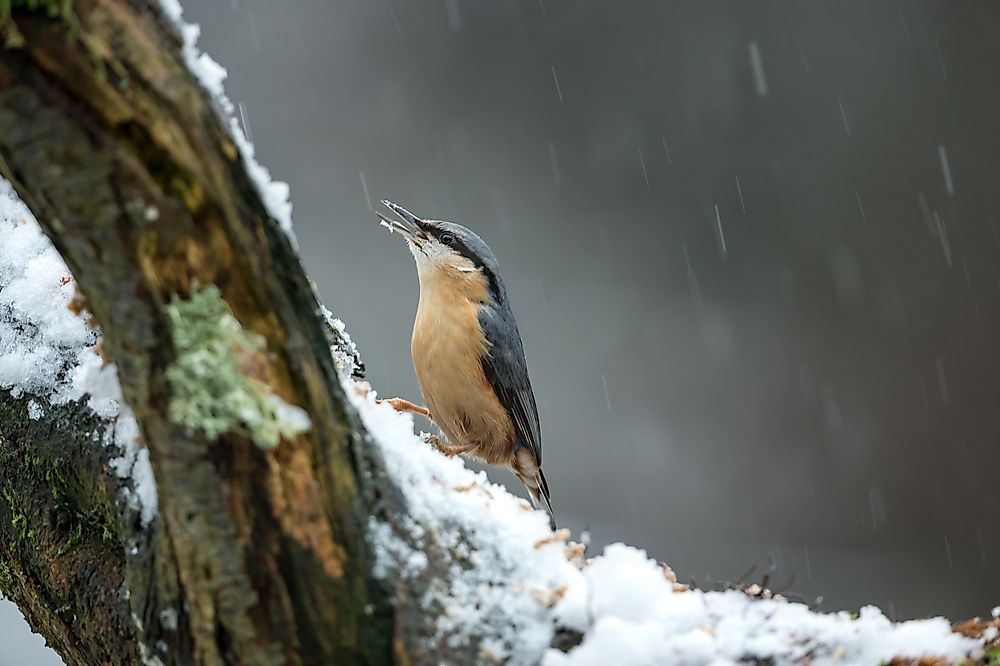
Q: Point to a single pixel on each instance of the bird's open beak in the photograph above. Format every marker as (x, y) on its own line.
(409, 227)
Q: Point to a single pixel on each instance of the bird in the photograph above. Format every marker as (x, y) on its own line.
(468, 355)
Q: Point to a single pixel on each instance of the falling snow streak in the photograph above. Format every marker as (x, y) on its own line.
(253, 31)
(554, 161)
(968, 275)
(454, 18)
(906, 28)
(722, 235)
(843, 116)
(364, 186)
(556, 79)
(692, 281)
(802, 57)
(739, 191)
(395, 21)
(541, 5)
(642, 163)
(545, 301)
(942, 233)
(857, 196)
(925, 212)
(245, 119)
(949, 184)
(607, 396)
(940, 57)
(947, 551)
(666, 150)
(757, 67)
(942, 380)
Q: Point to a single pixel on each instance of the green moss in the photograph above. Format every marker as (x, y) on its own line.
(84, 516)
(18, 521)
(54, 8)
(211, 388)
(8, 585)
(71, 505)
(61, 10)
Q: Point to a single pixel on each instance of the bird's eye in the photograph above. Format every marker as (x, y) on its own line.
(447, 238)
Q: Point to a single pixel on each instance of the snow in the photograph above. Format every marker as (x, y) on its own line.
(631, 610)
(49, 352)
(35, 411)
(492, 534)
(38, 342)
(345, 355)
(211, 75)
(513, 582)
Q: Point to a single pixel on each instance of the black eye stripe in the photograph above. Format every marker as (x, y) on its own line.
(459, 244)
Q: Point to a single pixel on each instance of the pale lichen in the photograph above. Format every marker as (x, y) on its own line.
(211, 381)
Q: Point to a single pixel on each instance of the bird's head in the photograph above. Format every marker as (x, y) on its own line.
(444, 249)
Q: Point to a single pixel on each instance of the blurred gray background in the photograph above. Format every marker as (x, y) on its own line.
(752, 249)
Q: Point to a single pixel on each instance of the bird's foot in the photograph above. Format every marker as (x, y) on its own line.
(402, 405)
(445, 448)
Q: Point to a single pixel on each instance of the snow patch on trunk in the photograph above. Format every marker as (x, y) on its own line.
(211, 75)
(48, 351)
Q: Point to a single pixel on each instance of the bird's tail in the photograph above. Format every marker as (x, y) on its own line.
(538, 489)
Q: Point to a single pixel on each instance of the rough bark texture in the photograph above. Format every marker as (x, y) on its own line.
(260, 555)
(60, 532)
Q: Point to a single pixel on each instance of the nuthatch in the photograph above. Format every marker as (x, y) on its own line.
(467, 353)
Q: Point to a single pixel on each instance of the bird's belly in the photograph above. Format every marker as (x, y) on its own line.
(447, 350)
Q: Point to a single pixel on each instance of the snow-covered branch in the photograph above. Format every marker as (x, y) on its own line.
(515, 586)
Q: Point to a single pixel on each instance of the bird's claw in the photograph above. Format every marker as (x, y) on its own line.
(444, 448)
(403, 405)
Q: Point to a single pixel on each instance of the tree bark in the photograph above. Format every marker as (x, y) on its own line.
(63, 559)
(257, 556)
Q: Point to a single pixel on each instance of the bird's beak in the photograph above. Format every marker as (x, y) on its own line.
(409, 227)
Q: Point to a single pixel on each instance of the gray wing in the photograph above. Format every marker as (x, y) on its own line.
(507, 372)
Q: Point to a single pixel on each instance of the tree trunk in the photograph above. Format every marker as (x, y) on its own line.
(259, 553)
